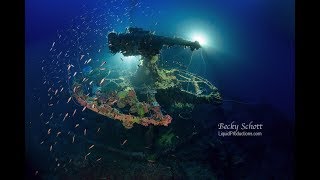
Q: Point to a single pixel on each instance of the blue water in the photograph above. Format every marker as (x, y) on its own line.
(248, 55)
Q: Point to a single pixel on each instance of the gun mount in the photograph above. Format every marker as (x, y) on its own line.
(137, 41)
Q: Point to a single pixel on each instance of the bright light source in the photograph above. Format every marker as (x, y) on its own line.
(200, 38)
(200, 30)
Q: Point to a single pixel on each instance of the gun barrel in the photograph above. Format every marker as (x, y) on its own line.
(139, 42)
(181, 42)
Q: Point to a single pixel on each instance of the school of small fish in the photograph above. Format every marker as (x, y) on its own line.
(69, 53)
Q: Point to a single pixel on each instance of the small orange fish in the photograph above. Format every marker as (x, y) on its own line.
(84, 108)
(58, 133)
(103, 63)
(124, 142)
(102, 81)
(85, 157)
(74, 112)
(65, 116)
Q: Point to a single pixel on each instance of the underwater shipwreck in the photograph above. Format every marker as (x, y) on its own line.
(139, 98)
(157, 101)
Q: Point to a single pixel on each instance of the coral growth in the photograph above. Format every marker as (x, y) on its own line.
(124, 98)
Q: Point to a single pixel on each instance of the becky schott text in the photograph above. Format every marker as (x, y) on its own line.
(243, 126)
